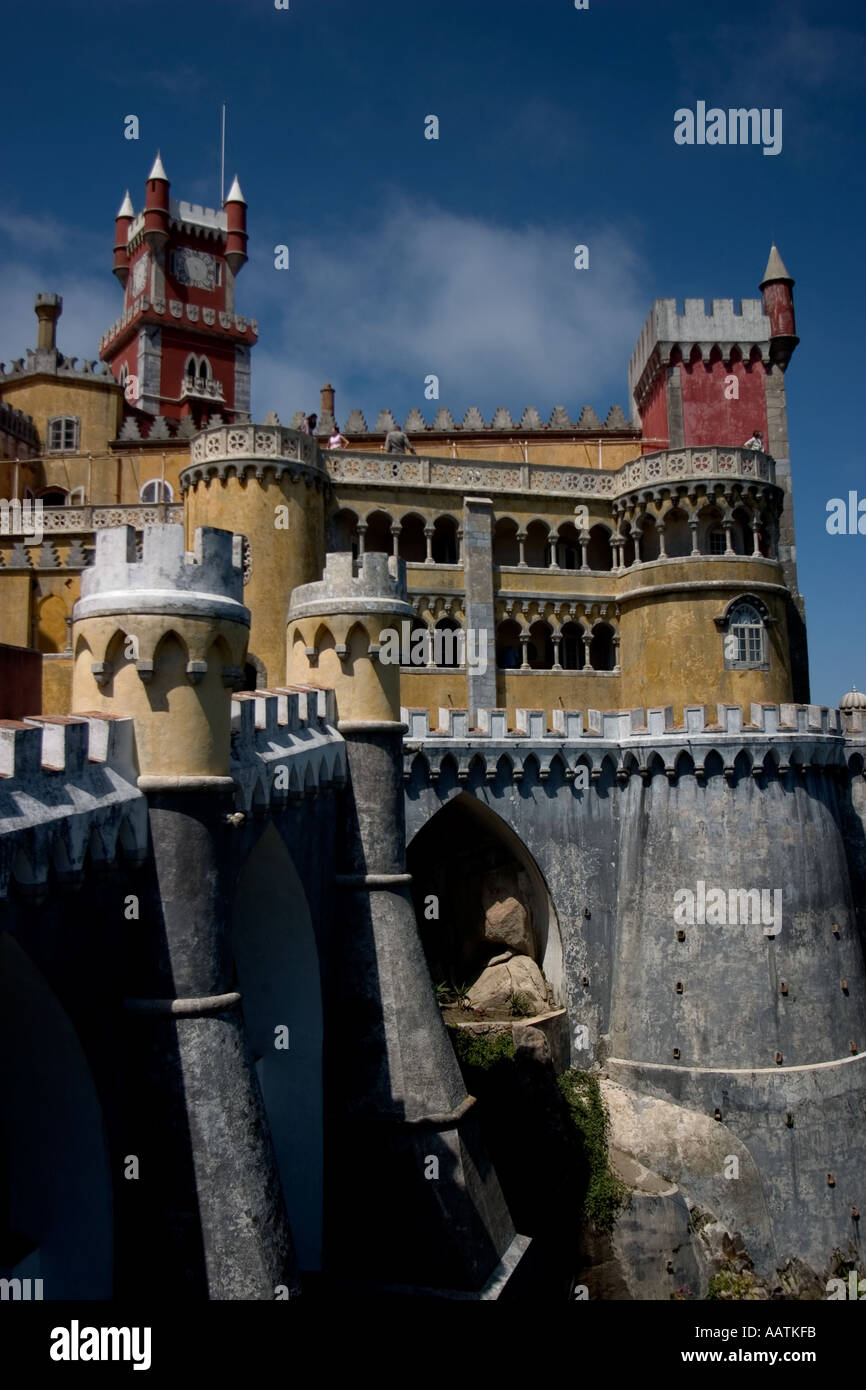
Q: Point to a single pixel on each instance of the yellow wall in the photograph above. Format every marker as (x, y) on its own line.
(15, 609)
(282, 558)
(182, 729)
(97, 403)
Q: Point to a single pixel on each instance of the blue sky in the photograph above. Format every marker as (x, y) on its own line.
(411, 256)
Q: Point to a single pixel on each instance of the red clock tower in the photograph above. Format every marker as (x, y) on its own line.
(179, 346)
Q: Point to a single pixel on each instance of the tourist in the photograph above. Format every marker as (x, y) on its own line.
(337, 440)
(756, 442)
(397, 442)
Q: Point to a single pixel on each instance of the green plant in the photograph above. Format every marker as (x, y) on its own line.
(482, 1050)
(520, 1005)
(448, 994)
(605, 1192)
(729, 1286)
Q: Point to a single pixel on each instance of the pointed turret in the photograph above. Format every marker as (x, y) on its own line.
(776, 288)
(236, 227)
(122, 223)
(156, 207)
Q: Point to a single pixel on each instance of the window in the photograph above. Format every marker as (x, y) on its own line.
(154, 490)
(53, 497)
(717, 540)
(63, 433)
(744, 639)
(123, 374)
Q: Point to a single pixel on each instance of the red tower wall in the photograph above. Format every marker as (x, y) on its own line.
(708, 418)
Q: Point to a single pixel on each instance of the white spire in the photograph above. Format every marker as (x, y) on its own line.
(234, 193)
(126, 209)
(158, 172)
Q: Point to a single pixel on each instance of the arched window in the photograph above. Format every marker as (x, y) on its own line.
(63, 434)
(444, 541)
(155, 490)
(601, 648)
(508, 654)
(123, 374)
(572, 649)
(204, 371)
(745, 638)
(53, 497)
(447, 643)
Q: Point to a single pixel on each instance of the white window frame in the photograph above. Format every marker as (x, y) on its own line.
(62, 422)
(161, 496)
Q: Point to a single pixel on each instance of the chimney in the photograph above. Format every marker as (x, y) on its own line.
(327, 410)
(48, 307)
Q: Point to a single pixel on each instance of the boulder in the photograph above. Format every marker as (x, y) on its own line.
(506, 923)
(495, 988)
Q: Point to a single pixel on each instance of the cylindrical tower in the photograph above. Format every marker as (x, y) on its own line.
(776, 288)
(269, 484)
(398, 1100)
(156, 207)
(236, 227)
(163, 639)
(48, 307)
(122, 223)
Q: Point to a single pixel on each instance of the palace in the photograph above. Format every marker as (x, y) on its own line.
(226, 811)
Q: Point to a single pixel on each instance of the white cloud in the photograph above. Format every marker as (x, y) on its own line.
(498, 313)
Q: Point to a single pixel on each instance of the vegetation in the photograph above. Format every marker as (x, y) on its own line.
(729, 1286)
(482, 1050)
(605, 1193)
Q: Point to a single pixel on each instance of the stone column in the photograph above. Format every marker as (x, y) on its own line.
(587, 643)
(521, 541)
(362, 532)
(524, 645)
(428, 536)
(478, 576)
(556, 638)
(584, 548)
(397, 1097)
(206, 1216)
(693, 527)
(395, 532)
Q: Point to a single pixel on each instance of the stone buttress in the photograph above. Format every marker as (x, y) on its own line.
(163, 639)
(400, 1101)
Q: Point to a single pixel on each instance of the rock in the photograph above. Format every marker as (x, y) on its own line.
(496, 988)
(506, 923)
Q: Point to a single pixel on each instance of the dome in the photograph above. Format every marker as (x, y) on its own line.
(855, 699)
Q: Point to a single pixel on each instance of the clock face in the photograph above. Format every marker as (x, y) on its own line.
(195, 268)
(139, 276)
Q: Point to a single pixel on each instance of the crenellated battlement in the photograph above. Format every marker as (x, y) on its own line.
(207, 582)
(67, 790)
(285, 746)
(764, 737)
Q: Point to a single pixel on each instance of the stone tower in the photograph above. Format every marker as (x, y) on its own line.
(179, 343)
(704, 379)
(163, 639)
(269, 484)
(403, 1113)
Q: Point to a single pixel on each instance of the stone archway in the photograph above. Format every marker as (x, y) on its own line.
(492, 900)
(277, 967)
